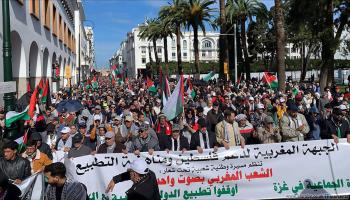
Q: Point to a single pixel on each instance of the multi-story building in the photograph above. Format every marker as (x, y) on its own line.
(134, 52)
(44, 42)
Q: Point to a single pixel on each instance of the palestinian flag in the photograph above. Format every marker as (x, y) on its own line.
(45, 92)
(270, 79)
(13, 116)
(22, 141)
(41, 87)
(208, 76)
(32, 103)
(190, 91)
(94, 83)
(149, 82)
(175, 104)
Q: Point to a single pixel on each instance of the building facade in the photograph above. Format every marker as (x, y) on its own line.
(44, 42)
(134, 51)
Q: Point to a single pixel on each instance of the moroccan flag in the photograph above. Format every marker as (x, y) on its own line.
(270, 79)
(208, 76)
(175, 104)
(190, 91)
(41, 87)
(13, 116)
(32, 103)
(45, 92)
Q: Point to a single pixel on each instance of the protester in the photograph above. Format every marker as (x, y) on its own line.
(38, 160)
(203, 139)
(78, 149)
(144, 142)
(64, 143)
(43, 147)
(111, 145)
(8, 191)
(176, 142)
(227, 132)
(14, 166)
(144, 180)
(269, 133)
(60, 187)
(337, 127)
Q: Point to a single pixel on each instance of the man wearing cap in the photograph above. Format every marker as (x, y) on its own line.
(128, 131)
(64, 143)
(145, 186)
(294, 125)
(157, 107)
(227, 133)
(214, 116)
(43, 147)
(78, 149)
(257, 118)
(111, 145)
(269, 133)
(177, 142)
(144, 142)
(98, 112)
(202, 139)
(336, 127)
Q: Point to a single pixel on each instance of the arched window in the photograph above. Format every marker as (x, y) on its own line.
(206, 44)
(184, 44)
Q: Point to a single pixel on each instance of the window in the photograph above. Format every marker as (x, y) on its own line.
(64, 33)
(210, 54)
(203, 54)
(46, 13)
(69, 40)
(159, 50)
(143, 60)
(185, 54)
(34, 8)
(173, 55)
(143, 50)
(206, 44)
(184, 44)
(54, 20)
(173, 44)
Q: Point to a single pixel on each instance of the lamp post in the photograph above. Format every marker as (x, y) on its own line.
(9, 98)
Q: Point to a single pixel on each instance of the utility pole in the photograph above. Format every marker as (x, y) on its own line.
(9, 98)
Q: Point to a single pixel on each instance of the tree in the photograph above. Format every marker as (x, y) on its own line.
(197, 13)
(165, 31)
(173, 16)
(224, 56)
(280, 43)
(240, 11)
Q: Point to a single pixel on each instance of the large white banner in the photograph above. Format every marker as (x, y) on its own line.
(282, 170)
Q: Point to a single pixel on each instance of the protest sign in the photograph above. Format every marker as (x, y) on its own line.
(281, 170)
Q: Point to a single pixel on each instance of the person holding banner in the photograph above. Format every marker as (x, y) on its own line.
(145, 186)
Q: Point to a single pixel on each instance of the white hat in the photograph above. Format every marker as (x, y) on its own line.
(251, 98)
(97, 117)
(342, 107)
(282, 100)
(260, 106)
(139, 166)
(241, 117)
(65, 129)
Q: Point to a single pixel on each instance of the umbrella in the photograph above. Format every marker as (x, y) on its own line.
(69, 106)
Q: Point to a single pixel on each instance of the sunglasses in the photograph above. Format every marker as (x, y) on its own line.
(108, 138)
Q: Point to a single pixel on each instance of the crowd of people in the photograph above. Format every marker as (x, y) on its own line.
(128, 118)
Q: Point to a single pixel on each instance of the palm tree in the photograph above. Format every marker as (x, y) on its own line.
(172, 15)
(223, 38)
(197, 12)
(150, 31)
(240, 11)
(281, 43)
(165, 31)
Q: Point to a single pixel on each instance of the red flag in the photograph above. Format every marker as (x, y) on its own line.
(268, 77)
(32, 103)
(149, 82)
(114, 67)
(41, 86)
(45, 92)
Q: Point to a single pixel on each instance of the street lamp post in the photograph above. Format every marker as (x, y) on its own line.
(9, 98)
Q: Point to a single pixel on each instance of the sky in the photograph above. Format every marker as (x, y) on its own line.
(113, 19)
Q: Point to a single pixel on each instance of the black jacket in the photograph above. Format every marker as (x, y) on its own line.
(165, 143)
(195, 141)
(145, 189)
(19, 168)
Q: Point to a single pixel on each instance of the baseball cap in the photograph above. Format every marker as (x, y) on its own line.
(77, 138)
(268, 120)
(117, 117)
(97, 117)
(144, 127)
(260, 106)
(139, 166)
(65, 130)
(251, 98)
(129, 118)
(98, 107)
(109, 134)
(176, 127)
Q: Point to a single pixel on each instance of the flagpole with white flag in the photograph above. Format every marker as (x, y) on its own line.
(174, 105)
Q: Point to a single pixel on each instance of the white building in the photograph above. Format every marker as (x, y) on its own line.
(134, 52)
(43, 39)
